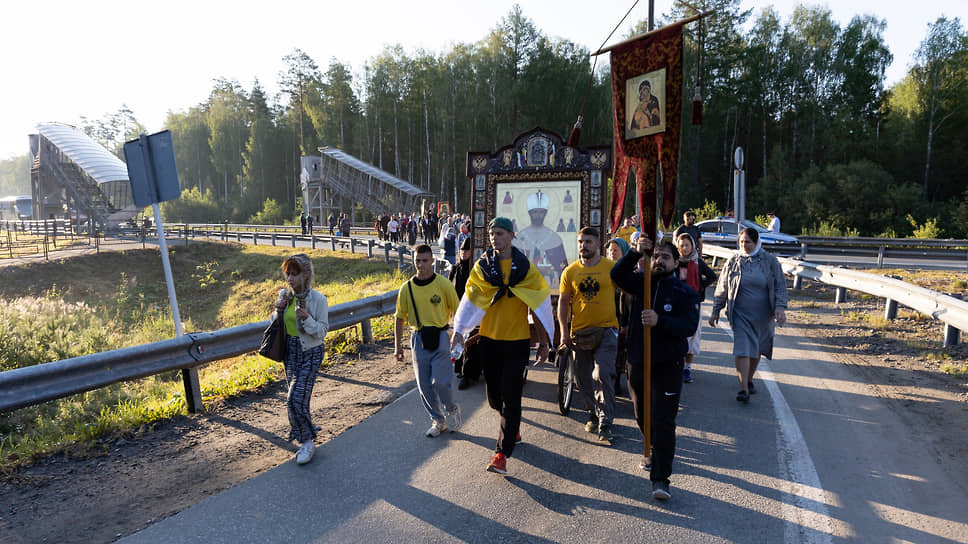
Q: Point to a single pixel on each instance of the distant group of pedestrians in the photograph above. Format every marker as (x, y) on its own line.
(500, 306)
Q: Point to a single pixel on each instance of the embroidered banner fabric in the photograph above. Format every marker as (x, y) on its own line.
(647, 135)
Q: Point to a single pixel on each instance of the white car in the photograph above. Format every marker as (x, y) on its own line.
(722, 231)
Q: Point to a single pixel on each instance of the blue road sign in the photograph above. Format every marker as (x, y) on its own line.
(151, 169)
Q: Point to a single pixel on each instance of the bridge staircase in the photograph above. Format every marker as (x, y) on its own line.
(85, 193)
(336, 174)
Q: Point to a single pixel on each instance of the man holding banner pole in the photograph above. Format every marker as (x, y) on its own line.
(655, 369)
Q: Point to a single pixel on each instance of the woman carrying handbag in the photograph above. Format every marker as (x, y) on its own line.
(305, 317)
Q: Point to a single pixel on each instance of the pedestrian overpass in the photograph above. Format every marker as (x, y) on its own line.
(336, 176)
(72, 174)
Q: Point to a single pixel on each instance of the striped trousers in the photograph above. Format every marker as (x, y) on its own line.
(301, 369)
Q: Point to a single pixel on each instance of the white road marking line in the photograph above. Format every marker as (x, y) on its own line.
(804, 511)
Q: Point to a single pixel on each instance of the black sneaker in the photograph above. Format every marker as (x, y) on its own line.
(646, 463)
(660, 491)
(750, 387)
(605, 433)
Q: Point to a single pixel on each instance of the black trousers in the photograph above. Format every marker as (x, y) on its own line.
(503, 362)
(469, 363)
(666, 379)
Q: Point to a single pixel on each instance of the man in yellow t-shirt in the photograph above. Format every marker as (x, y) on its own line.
(625, 231)
(427, 301)
(504, 286)
(587, 296)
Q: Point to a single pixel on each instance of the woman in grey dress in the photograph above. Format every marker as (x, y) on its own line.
(753, 290)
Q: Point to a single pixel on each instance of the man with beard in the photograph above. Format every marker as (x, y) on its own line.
(673, 318)
(587, 296)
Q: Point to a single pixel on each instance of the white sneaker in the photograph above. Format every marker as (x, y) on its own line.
(305, 452)
(454, 419)
(438, 426)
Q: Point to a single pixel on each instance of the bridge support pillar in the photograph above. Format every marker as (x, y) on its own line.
(840, 296)
(952, 336)
(890, 309)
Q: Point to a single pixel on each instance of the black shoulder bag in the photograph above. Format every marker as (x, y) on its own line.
(274, 338)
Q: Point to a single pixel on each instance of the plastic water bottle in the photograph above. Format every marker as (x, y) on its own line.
(456, 352)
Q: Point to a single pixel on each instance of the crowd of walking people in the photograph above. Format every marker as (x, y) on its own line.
(499, 308)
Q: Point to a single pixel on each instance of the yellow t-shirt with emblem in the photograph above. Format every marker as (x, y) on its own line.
(592, 294)
(506, 319)
(436, 302)
(625, 233)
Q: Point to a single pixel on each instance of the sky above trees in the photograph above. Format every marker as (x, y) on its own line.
(78, 59)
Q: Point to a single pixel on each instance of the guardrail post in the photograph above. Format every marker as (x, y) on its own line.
(367, 328)
(952, 336)
(255, 238)
(273, 239)
(890, 309)
(400, 250)
(314, 240)
(369, 248)
(352, 246)
(238, 236)
(840, 296)
(292, 239)
(797, 281)
(880, 257)
(193, 390)
(332, 242)
(803, 252)
(386, 249)
(715, 261)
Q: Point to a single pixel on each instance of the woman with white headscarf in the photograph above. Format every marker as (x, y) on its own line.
(305, 313)
(753, 290)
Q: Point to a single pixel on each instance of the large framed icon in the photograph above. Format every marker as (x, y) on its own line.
(548, 190)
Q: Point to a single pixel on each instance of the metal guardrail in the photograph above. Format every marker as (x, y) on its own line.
(40, 383)
(947, 309)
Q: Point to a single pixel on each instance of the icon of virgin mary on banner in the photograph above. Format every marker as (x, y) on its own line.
(647, 93)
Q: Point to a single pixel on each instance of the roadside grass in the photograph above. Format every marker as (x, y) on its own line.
(872, 320)
(87, 304)
(959, 370)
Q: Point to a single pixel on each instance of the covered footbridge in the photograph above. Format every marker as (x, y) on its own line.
(336, 176)
(71, 173)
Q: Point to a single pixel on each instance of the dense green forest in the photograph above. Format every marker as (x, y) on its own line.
(827, 145)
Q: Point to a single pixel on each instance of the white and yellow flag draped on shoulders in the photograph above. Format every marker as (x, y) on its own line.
(533, 290)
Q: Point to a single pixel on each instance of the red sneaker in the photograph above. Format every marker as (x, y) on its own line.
(499, 464)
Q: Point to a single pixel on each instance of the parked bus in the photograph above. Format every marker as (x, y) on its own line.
(16, 207)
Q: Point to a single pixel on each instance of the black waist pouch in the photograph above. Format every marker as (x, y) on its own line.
(430, 337)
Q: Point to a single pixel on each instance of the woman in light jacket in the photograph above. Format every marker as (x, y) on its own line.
(753, 290)
(306, 318)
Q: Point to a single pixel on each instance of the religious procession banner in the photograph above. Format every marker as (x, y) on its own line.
(647, 95)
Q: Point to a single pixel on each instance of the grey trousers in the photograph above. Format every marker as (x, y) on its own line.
(595, 371)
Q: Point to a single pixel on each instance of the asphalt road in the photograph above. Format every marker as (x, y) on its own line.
(815, 457)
